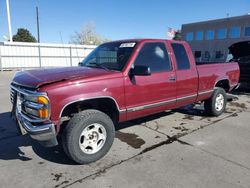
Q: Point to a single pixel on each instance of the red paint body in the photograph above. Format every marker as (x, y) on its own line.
(134, 97)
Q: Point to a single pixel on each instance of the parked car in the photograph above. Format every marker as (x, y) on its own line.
(241, 53)
(119, 81)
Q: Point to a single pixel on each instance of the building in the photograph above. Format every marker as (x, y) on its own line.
(210, 40)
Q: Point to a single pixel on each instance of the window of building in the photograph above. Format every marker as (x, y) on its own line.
(222, 33)
(197, 54)
(189, 36)
(247, 31)
(210, 35)
(219, 55)
(206, 56)
(155, 56)
(234, 32)
(199, 35)
(180, 56)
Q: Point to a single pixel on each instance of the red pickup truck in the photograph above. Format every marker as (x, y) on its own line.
(118, 81)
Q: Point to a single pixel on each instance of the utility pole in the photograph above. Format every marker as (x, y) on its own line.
(37, 24)
(9, 21)
(38, 38)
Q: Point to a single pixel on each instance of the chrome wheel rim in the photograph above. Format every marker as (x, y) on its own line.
(92, 138)
(219, 102)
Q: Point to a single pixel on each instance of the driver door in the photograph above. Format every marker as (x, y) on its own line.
(150, 94)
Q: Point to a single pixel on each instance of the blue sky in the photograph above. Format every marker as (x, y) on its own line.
(114, 19)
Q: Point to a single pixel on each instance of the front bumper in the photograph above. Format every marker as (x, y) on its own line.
(45, 134)
(41, 130)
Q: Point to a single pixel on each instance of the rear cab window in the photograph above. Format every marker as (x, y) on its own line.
(155, 56)
(181, 56)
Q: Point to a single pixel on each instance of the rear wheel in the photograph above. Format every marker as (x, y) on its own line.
(88, 136)
(216, 105)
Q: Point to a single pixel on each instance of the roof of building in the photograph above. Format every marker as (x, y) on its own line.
(220, 19)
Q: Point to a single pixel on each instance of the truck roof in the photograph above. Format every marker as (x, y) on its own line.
(145, 40)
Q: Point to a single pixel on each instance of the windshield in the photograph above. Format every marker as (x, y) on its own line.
(111, 56)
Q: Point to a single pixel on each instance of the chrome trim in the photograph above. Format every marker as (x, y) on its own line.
(35, 120)
(46, 132)
(36, 129)
(150, 105)
(164, 102)
(235, 86)
(84, 99)
(33, 105)
(28, 92)
(122, 111)
(205, 92)
(137, 108)
(12, 93)
(186, 97)
(33, 94)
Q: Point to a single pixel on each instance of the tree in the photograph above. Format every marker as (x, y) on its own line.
(177, 35)
(87, 35)
(23, 35)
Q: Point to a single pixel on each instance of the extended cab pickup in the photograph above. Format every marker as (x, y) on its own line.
(118, 81)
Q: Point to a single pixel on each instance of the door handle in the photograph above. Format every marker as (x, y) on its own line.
(172, 78)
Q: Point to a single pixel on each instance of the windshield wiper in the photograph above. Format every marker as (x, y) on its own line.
(97, 65)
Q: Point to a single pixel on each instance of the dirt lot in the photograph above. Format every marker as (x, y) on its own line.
(175, 148)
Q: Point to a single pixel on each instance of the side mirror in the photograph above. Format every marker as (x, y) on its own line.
(140, 70)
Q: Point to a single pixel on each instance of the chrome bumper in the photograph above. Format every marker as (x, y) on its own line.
(45, 134)
(37, 128)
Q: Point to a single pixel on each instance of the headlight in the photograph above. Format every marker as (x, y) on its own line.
(37, 106)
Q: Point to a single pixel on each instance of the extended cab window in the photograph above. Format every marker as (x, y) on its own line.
(180, 56)
(155, 56)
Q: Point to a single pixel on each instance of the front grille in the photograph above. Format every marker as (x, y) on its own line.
(13, 94)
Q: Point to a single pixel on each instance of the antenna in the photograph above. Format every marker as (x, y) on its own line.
(77, 54)
(63, 47)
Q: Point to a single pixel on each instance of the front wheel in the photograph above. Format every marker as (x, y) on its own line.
(216, 105)
(88, 136)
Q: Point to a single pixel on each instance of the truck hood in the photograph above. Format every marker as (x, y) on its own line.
(240, 49)
(37, 78)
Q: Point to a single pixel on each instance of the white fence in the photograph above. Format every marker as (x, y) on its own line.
(19, 55)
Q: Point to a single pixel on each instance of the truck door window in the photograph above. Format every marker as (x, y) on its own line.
(155, 56)
(181, 57)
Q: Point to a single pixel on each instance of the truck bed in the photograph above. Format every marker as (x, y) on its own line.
(210, 73)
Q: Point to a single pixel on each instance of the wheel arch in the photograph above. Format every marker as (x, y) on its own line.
(223, 83)
(105, 104)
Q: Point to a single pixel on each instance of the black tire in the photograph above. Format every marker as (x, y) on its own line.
(71, 136)
(210, 104)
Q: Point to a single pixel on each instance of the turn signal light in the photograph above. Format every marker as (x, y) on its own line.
(43, 113)
(42, 100)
